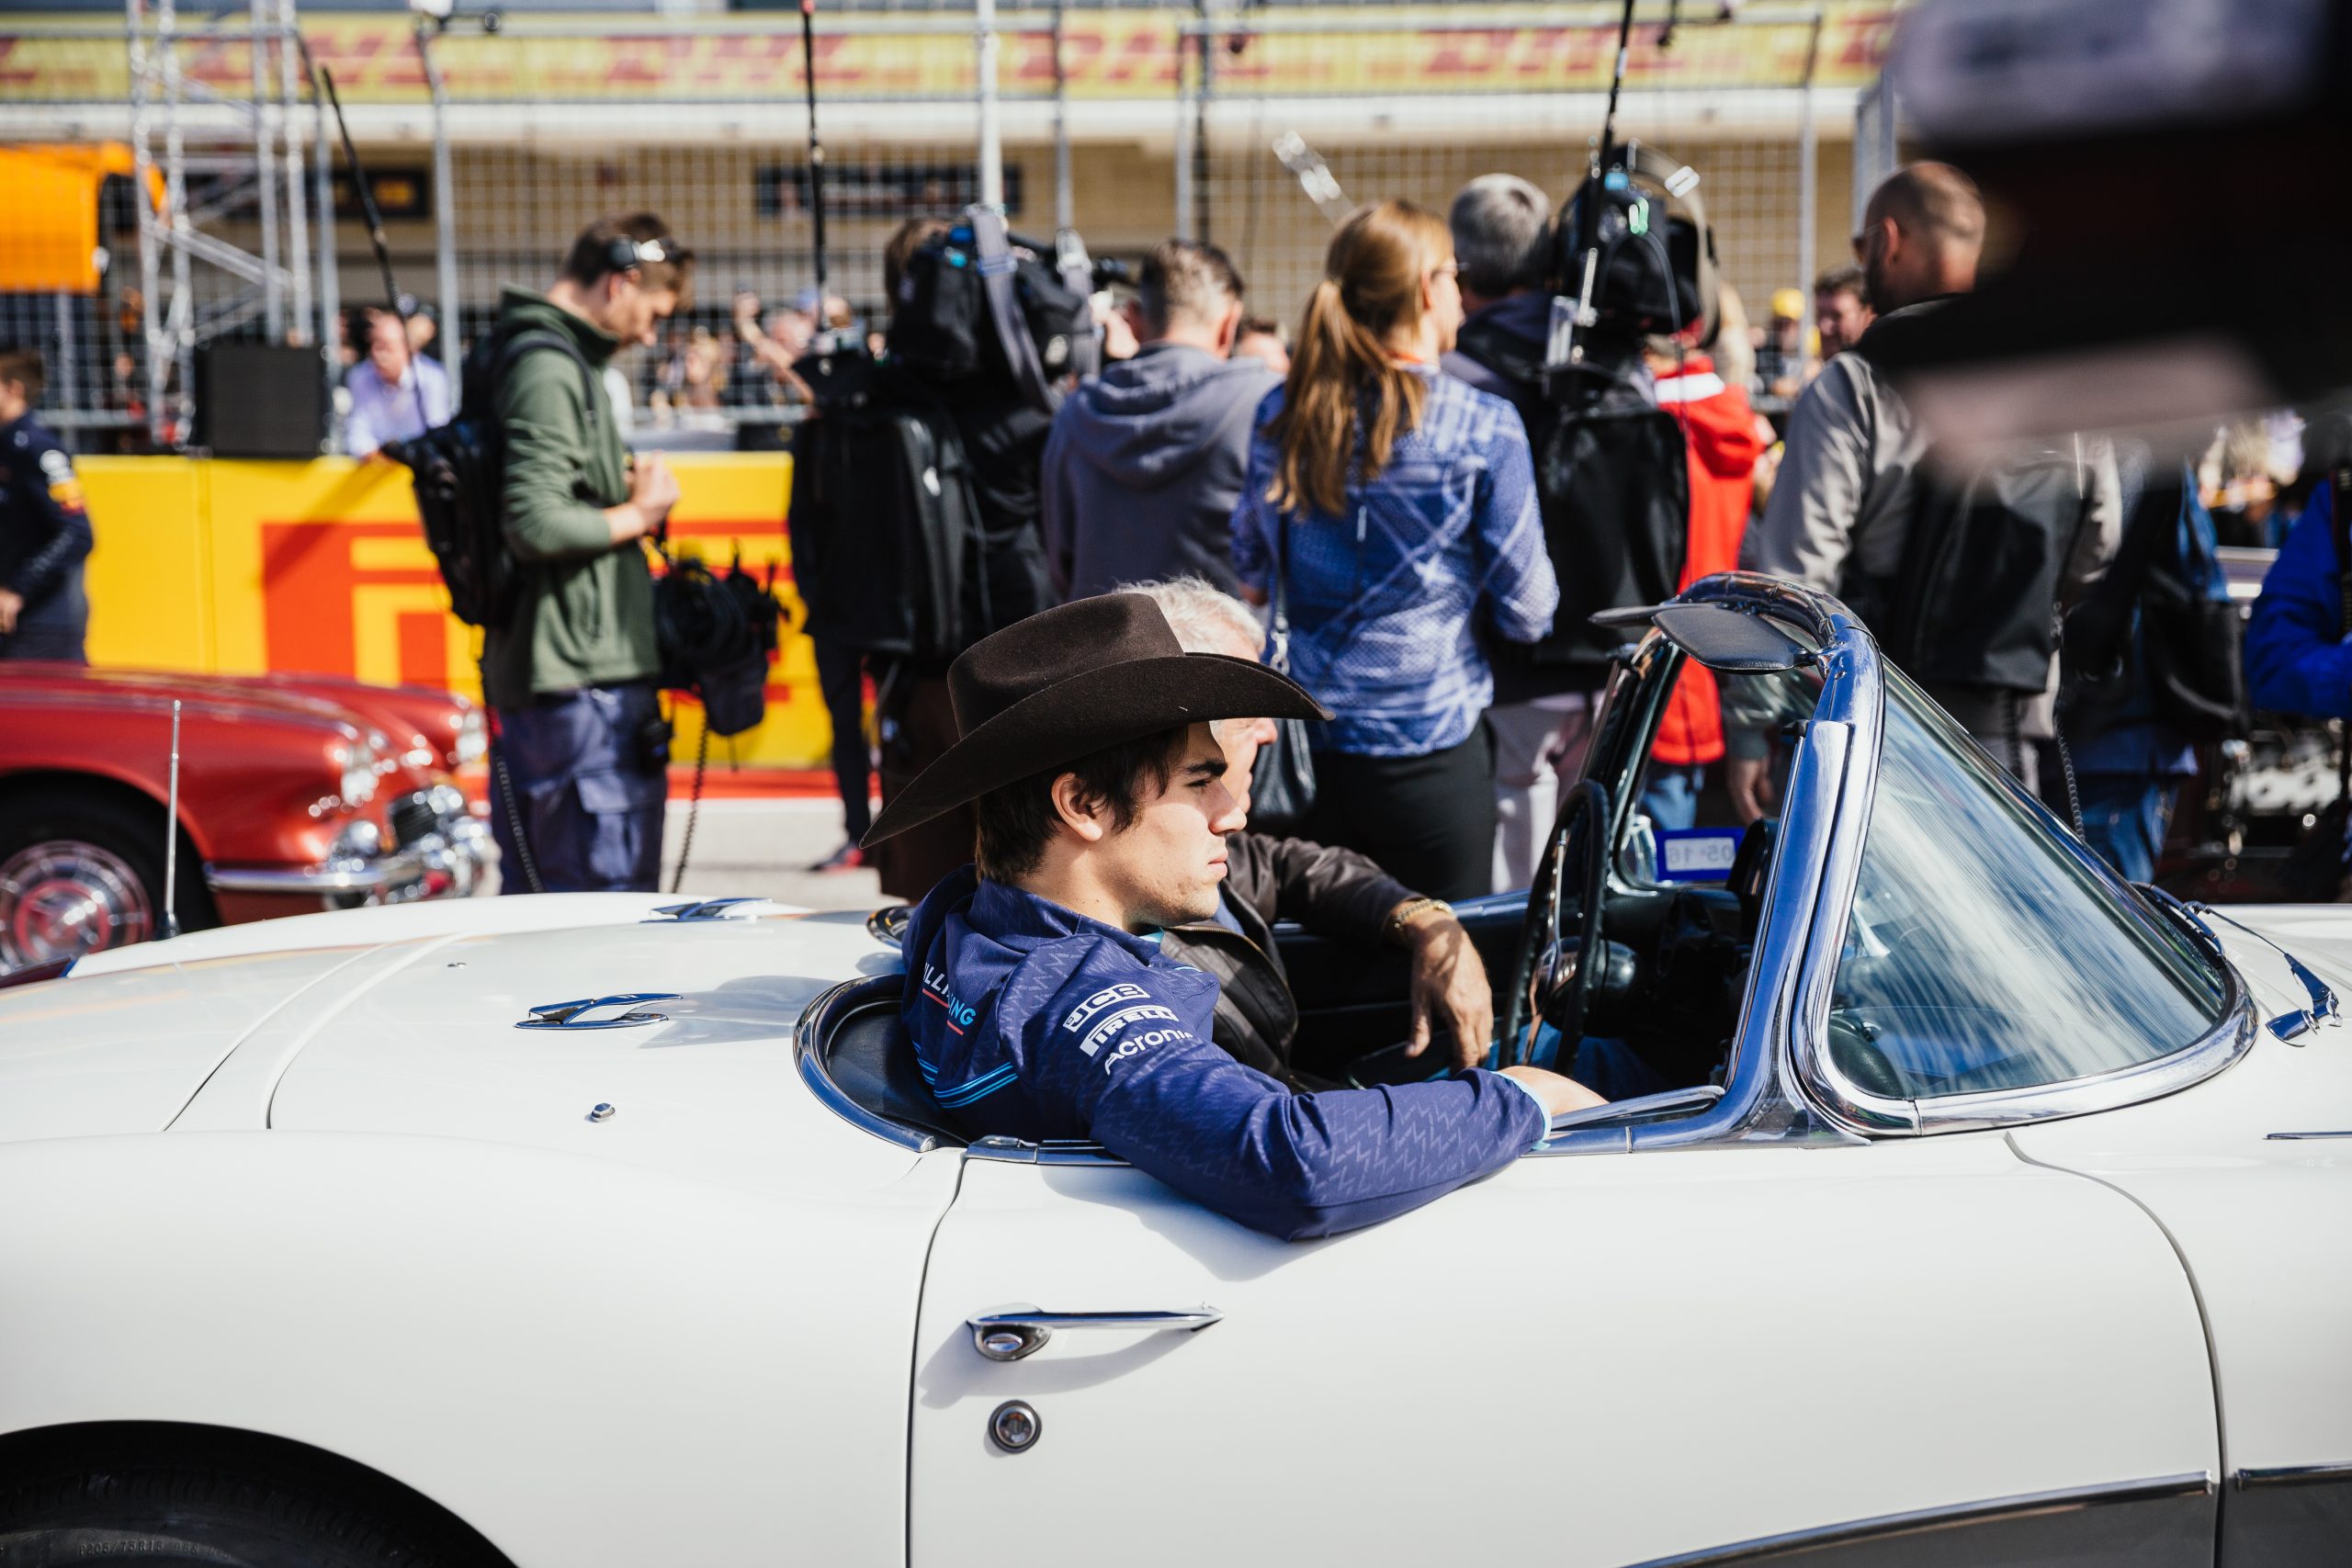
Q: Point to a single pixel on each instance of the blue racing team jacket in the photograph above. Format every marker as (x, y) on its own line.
(1031, 1020)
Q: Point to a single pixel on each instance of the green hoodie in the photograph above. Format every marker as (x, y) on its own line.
(585, 614)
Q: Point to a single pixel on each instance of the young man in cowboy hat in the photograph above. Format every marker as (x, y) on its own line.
(1043, 1007)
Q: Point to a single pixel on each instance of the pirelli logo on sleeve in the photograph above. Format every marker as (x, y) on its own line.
(1113, 1013)
(1109, 996)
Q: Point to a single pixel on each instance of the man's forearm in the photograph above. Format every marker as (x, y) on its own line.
(629, 521)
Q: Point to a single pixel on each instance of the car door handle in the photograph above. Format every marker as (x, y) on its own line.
(1009, 1333)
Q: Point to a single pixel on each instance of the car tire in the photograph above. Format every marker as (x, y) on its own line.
(248, 1510)
(57, 843)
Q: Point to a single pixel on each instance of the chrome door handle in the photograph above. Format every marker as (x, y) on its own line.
(1009, 1333)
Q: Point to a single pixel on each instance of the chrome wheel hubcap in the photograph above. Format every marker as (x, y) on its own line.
(64, 898)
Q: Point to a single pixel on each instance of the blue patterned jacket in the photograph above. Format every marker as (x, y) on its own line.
(1033, 1021)
(1388, 602)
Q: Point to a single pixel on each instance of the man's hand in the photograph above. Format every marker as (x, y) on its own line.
(12, 604)
(1449, 982)
(1750, 781)
(1560, 1095)
(653, 489)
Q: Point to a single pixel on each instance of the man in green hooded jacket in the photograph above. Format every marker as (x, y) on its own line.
(581, 742)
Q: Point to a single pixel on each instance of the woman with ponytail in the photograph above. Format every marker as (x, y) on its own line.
(1390, 512)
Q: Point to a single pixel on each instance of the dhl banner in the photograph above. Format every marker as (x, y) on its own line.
(1119, 53)
(240, 568)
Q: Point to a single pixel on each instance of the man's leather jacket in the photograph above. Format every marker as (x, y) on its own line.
(1332, 892)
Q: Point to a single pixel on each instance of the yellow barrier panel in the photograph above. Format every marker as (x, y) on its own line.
(240, 568)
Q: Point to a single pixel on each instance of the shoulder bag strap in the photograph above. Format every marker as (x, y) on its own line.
(2339, 519)
(1281, 659)
(545, 337)
(994, 253)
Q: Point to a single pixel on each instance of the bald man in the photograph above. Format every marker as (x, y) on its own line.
(1842, 507)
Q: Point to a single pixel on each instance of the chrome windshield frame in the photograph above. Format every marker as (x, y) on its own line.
(1846, 1104)
(1823, 809)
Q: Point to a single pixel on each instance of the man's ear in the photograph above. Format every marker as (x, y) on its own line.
(1892, 238)
(1228, 328)
(1082, 813)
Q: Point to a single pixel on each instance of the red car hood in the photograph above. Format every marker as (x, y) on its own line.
(226, 695)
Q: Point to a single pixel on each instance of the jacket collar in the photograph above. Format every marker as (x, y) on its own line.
(534, 309)
(1016, 917)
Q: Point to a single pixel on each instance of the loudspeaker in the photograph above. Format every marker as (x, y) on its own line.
(261, 400)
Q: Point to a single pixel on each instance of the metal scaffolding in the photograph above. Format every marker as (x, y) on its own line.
(229, 251)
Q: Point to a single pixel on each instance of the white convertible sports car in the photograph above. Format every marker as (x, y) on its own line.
(1997, 1213)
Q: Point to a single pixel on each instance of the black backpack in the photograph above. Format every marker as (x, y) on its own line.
(1613, 479)
(1974, 601)
(978, 300)
(2166, 583)
(884, 520)
(456, 470)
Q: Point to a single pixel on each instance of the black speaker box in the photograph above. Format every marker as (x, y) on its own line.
(261, 400)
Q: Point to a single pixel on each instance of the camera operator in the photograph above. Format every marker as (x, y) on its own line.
(1000, 437)
(1502, 233)
(581, 747)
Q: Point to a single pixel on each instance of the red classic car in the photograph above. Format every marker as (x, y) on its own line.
(298, 793)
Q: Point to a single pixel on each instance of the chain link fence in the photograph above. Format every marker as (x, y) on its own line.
(1145, 120)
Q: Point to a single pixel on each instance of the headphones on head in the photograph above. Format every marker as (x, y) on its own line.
(625, 254)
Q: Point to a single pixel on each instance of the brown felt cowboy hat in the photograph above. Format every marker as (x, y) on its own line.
(1070, 681)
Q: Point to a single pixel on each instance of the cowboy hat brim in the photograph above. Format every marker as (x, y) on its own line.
(1103, 707)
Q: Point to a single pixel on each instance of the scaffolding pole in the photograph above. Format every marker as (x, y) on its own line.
(1808, 185)
(445, 217)
(1064, 197)
(986, 43)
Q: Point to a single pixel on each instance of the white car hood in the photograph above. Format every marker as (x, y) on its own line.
(420, 1038)
(125, 1055)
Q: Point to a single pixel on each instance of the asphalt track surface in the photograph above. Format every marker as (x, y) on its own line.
(764, 847)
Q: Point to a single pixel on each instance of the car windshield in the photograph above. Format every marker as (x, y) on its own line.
(1987, 949)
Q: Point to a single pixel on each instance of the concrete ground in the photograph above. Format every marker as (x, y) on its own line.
(764, 847)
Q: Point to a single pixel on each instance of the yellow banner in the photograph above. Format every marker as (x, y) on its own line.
(1106, 55)
(244, 567)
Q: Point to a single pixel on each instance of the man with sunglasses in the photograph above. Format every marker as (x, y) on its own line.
(580, 748)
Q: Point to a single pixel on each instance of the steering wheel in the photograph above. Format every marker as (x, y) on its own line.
(1552, 980)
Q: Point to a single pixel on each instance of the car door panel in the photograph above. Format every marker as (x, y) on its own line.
(1602, 1359)
(2261, 1220)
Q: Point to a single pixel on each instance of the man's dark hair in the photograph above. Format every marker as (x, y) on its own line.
(1017, 822)
(602, 243)
(1844, 279)
(899, 248)
(1186, 278)
(24, 366)
(1258, 326)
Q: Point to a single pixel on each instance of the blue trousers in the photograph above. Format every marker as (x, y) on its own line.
(588, 788)
(1671, 794)
(2125, 818)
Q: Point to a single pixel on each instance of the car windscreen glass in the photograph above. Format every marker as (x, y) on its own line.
(1683, 828)
(1989, 950)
